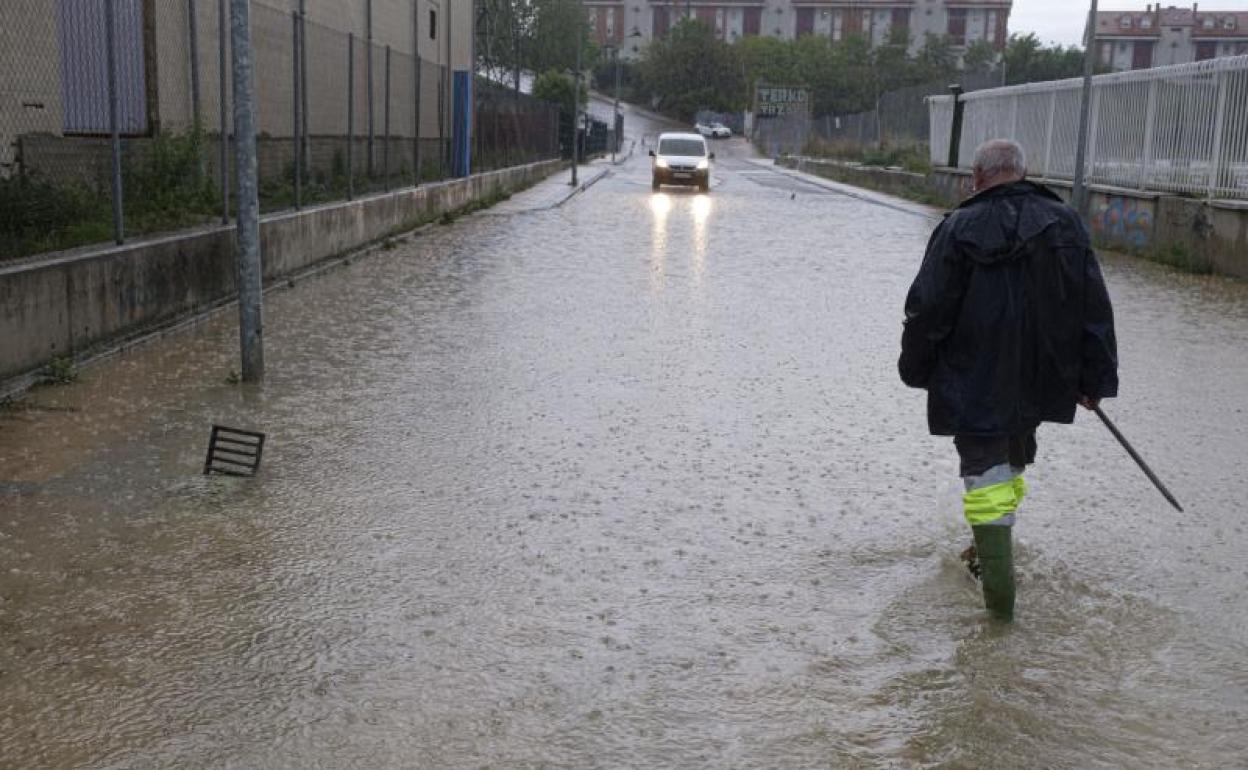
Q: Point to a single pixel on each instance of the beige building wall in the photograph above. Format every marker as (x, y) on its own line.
(30, 75)
(30, 69)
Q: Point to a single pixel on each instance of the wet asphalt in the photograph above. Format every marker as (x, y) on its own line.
(626, 482)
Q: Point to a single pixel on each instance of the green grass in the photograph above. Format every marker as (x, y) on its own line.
(911, 157)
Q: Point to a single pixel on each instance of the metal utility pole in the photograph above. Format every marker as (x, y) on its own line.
(304, 142)
(1079, 194)
(615, 112)
(193, 35)
(110, 32)
(515, 37)
(250, 296)
(224, 156)
(351, 116)
(576, 91)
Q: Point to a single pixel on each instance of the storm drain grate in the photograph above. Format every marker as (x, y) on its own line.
(233, 452)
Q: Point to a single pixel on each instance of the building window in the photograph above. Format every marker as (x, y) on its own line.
(838, 25)
(957, 26)
(752, 24)
(1142, 58)
(433, 24)
(1146, 22)
(1205, 51)
(1228, 23)
(661, 23)
(1106, 54)
(1125, 22)
(805, 21)
(1208, 22)
(900, 20)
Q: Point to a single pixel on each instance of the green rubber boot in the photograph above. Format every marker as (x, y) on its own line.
(996, 560)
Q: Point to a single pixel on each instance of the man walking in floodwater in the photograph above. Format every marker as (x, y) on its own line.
(1008, 325)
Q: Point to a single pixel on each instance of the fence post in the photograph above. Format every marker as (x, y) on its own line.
(1219, 123)
(368, 78)
(1150, 123)
(416, 89)
(193, 34)
(350, 115)
(385, 150)
(1048, 134)
(110, 32)
(955, 130)
(304, 142)
(250, 295)
(224, 150)
(295, 127)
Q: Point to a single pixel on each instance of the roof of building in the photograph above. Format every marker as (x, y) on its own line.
(1154, 19)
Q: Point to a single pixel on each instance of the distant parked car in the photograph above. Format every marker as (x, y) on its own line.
(713, 130)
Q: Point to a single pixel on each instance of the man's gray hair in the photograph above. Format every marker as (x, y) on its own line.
(1001, 157)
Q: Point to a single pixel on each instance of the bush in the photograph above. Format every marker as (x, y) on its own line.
(38, 215)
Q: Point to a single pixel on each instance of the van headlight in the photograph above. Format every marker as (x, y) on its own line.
(704, 164)
(661, 162)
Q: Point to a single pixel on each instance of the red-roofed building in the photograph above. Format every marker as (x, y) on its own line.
(1157, 37)
(632, 24)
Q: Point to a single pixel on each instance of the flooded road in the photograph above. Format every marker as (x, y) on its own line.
(630, 482)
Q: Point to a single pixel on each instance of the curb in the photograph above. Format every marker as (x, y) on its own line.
(847, 190)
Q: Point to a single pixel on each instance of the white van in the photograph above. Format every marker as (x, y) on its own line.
(681, 159)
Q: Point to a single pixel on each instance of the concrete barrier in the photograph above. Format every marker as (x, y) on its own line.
(1200, 236)
(74, 303)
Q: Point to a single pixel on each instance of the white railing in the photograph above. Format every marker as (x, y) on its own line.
(1177, 129)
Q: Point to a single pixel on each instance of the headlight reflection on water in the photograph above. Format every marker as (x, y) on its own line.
(660, 207)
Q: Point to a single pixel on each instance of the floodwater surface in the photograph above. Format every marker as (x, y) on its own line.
(630, 482)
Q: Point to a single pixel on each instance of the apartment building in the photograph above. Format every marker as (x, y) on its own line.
(631, 24)
(1158, 37)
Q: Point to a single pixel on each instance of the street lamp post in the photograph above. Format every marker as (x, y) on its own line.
(615, 112)
(576, 90)
(1079, 192)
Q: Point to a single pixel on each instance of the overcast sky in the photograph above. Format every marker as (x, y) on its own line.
(1061, 21)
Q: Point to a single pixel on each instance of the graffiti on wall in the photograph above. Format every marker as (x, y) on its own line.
(1124, 221)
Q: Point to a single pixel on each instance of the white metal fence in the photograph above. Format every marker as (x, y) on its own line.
(1177, 129)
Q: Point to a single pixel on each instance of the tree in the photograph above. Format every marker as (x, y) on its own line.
(980, 56)
(532, 35)
(558, 88)
(936, 60)
(1027, 60)
(691, 70)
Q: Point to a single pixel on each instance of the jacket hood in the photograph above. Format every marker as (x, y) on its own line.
(996, 224)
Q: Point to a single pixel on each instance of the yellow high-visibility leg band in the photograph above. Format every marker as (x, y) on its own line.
(988, 504)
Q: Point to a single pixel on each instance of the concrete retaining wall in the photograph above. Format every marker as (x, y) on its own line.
(75, 302)
(1197, 235)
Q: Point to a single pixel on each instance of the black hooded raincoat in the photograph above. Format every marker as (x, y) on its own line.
(1008, 321)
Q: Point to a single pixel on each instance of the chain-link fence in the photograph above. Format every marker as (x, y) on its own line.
(900, 118)
(128, 102)
(512, 128)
